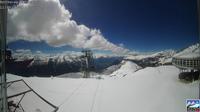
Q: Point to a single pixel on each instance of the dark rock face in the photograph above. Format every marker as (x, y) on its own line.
(103, 63)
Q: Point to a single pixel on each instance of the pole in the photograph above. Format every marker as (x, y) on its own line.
(3, 34)
(198, 13)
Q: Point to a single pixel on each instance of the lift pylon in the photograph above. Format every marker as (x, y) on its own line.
(87, 62)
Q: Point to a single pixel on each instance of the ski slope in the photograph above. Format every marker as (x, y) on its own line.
(152, 89)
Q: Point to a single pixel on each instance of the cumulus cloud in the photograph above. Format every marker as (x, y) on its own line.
(50, 21)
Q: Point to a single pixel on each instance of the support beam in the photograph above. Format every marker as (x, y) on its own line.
(3, 34)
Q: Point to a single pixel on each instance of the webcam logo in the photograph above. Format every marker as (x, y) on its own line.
(193, 105)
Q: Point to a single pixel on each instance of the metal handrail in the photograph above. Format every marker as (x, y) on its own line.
(30, 90)
(186, 63)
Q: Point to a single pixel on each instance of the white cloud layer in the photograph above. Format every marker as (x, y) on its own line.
(50, 21)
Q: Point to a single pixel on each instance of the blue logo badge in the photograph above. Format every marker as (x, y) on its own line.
(193, 105)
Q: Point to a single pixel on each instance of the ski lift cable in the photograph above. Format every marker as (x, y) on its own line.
(72, 93)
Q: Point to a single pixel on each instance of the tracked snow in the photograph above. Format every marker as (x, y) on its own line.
(152, 89)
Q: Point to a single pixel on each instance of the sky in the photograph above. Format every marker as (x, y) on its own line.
(140, 24)
(113, 25)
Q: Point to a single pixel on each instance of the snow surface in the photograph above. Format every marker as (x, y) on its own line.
(190, 52)
(72, 75)
(128, 67)
(111, 69)
(152, 89)
(166, 54)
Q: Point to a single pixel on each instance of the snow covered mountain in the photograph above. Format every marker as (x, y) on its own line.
(57, 64)
(166, 53)
(66, 62)
(152, 60)
(164, 57)
(126, 68)
(191, 51)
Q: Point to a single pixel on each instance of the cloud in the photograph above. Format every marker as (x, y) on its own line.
(38, 52)
(24, 51)
(50, 21)
(22, 54)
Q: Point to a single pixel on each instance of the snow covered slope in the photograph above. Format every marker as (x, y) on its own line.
(152, 59)
(127, 67)
(165, 57)
(152, 89)
(160, 54)
(111, 69)
(190, 52)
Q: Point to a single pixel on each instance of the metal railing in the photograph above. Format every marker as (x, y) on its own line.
(187, 63)
(23, 93)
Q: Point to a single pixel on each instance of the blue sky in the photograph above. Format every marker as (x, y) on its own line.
(141, 25)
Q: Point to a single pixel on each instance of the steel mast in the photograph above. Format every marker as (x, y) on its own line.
(3, 34)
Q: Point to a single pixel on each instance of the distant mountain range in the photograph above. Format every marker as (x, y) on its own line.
(67, 62)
